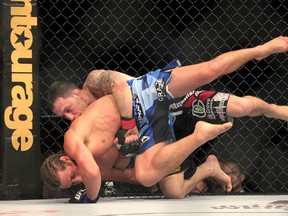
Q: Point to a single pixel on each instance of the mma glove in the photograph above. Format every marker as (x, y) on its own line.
(127, 150)
(80, 197)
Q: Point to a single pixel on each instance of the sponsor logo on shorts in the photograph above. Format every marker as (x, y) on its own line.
(139, 111)
(144, 139)
(220, 109)
(179, 104)
(209, 109)
(159, 85)
(198, 109)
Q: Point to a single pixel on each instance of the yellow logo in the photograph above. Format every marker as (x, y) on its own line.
(19, 116)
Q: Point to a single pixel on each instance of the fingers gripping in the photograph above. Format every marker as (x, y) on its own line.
(127, 150)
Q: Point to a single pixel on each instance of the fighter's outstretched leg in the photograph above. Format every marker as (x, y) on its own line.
(188, 78)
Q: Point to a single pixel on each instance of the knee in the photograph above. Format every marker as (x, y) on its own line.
(171, 191)
(240, 106)
(144, 178)
(175, 195)
(247, 104)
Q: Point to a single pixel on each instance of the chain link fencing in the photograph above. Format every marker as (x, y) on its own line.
(136, 36)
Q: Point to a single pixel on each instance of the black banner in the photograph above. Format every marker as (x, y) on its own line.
(20, 107)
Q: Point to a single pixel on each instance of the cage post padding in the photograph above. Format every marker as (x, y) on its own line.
(20, 107)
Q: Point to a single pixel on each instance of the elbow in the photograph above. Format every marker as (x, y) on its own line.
(93, 174)
(119, 82)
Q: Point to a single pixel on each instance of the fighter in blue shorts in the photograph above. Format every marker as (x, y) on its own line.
(154, 106)
(151, 101)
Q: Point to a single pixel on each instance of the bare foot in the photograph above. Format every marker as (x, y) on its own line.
(277, 45)
(206, 131)
(216, 172)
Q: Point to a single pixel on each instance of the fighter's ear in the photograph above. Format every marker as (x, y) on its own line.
(65, 158)
(76, 92)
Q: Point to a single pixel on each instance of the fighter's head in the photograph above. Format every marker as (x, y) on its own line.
(59, 171)
(66, 100)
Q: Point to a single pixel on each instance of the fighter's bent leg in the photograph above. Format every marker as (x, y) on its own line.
(161, 159)
(176, 187)
(172, 186)
(211, 168)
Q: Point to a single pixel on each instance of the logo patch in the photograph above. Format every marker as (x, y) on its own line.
(198, 109)
(144, 139)
(159, 85)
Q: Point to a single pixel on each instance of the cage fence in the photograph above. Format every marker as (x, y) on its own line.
(136, 36)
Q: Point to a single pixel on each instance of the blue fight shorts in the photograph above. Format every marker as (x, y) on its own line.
(151, 102)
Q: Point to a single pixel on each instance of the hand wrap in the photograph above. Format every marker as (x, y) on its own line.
(127, 150)
(128, 123)
(80, 197)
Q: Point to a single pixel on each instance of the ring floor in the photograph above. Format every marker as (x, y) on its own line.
(248, 205)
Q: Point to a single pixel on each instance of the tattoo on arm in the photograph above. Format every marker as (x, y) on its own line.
(102, 80)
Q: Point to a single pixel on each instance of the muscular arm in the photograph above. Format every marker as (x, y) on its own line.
(103, 82)
(88, 167)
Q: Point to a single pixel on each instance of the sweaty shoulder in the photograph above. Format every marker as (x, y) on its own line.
(104, 105)
(104, 101)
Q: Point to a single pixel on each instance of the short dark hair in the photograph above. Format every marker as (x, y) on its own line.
(59, 89)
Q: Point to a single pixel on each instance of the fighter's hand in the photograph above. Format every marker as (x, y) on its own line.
(129, 124)
(131, 135)
(80, 197)
(126, 149)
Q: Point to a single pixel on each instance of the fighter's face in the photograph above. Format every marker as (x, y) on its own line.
(69, 108)
(69, 176)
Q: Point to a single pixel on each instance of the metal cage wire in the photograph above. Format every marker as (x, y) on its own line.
(138, 36)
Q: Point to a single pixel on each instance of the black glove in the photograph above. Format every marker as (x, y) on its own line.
(127, 150)
(80, 197)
